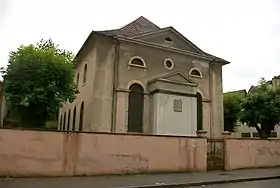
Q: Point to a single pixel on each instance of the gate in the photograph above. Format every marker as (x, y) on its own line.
(215, 154)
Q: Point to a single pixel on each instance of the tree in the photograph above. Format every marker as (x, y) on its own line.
(232, 106)
(261, 109)
(37, 81)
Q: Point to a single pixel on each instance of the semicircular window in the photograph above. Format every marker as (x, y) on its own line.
(195, 73)
(137, 62)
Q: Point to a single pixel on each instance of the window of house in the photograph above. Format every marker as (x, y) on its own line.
(168, 63)
(137, 62)
(168, 39)
(195, 73)
(199, 109)
(81, 117)
(85, 74)
(246, 135)
(74, 119)
(77, 79)
(135, 108)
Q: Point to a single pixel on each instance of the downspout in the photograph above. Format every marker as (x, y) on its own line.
(211, 97)
(115, 84)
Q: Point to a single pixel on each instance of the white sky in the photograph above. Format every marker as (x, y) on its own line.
(244, 32)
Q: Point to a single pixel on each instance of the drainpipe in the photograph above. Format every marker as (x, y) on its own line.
(115, 84)
(211, 97)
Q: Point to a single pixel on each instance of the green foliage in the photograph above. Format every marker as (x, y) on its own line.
(37, 80)
(232, 106)
(261, 109)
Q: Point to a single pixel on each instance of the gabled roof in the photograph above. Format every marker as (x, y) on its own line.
(242, 91)
(183, 37)
(139, 26)
(142, 26)
(174, 31)
(269, 82)
(252, 89)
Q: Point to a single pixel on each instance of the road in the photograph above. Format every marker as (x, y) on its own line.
(252, 184)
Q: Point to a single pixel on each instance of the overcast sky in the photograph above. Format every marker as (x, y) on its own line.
(244, 32)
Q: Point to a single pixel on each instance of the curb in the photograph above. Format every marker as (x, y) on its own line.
(200, 183)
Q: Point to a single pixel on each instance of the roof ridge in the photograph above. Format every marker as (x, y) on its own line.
(139, 19)
(135, 27)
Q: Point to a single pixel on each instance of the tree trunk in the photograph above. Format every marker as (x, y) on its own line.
(262, 132)
(263, 135)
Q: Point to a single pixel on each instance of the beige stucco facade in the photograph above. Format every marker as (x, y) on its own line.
(110, 74)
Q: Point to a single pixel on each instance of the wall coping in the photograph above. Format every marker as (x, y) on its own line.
(101, 133)
(274, 139)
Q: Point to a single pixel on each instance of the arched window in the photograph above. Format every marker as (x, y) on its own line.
(85, 74)
(60, 123)
(199, 112)
(74, 119)
(68, 120)
(64, 121)
(137, 62)
(77, 79)
(81, 117)
(135, 108)
(194, 72)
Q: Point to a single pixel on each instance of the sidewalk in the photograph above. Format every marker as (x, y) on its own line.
(144, 180)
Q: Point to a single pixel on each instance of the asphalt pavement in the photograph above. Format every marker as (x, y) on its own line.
(252, 184)
(149, 180)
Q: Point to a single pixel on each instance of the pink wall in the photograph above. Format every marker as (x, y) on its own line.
(251, 153)
(35, 153)
(30, 152)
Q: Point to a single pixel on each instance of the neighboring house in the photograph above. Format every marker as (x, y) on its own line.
(4, 111)
(244, 131)
(145, 79)
(239, 92)
(275, 82)
(242, 93)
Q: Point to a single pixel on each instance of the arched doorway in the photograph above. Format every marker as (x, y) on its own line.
(199, 112)
(135, 108)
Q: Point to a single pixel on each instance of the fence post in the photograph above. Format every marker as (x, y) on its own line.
(226, 134)
(201, 133)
